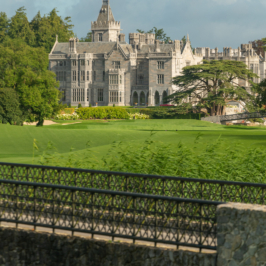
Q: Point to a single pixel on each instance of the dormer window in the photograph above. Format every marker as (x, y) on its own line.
(100, 37)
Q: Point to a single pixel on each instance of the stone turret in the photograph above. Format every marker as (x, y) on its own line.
(105, 29)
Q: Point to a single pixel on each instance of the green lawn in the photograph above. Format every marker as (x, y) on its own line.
(16, 143)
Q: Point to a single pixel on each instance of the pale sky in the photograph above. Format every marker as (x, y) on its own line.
(209, 23)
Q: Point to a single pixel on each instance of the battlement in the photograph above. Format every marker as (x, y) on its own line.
(106, 24)
(141, 38)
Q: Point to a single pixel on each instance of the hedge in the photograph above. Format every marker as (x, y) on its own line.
(102, 113)
(165, 113)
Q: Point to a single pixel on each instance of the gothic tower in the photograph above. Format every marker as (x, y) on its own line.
(105, 29)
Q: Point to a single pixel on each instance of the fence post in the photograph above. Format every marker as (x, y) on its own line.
(34, 193)
(134, 219)
(53, 210)
(17, 200)
(156, 222)
(92, 213)
(201, 224)
(73, 211)
(178, 224)
(113, 218)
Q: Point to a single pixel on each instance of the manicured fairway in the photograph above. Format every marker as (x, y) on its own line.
(16, 143)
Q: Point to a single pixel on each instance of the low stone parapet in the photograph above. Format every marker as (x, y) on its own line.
(241, 235)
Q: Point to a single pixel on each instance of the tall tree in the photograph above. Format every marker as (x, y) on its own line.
(159, 34)
(4, 22)
(19, 27)
(47, 27)
(259, 46)
(88, 38)
(10, 111)
(212, 84)
(24, 68)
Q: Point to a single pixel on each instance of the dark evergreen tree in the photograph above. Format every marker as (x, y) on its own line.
(10, 111)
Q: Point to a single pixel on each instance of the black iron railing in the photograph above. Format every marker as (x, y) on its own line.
(168, 220)
(212, 190)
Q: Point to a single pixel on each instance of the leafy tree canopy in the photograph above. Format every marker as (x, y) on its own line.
(88, 38)
(159, 34)
(40, 32)
(24, 69)
(47, 27)
(10, 107)
(212, 84)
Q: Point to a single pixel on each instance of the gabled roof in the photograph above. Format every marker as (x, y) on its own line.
(103, 15)
(92, 47)
(164, 48)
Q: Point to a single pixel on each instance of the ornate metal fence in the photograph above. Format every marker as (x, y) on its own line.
(134, 216)
(223, 118)
(212, 190)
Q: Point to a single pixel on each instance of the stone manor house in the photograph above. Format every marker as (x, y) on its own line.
(110, 71)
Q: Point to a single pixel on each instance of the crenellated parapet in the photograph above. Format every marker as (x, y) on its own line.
(105, 24)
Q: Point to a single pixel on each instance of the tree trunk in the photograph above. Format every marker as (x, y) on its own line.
(40, 123)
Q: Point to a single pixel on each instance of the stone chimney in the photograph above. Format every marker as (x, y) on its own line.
(157, 46)
(72, 45)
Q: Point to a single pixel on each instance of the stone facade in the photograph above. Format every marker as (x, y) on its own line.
(29, 248)
(245, 54)
(110, 71)
(241, 235)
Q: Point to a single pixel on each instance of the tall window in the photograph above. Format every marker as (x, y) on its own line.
(103, 75)
(160, 79)
(113, 79)
(113, 96)
(74, 76)
(88, 75)
(141, 79)
(94, 75)
(120, 79)
(160, 65)
(61, 63)
(78, 75)
(116, 64)
(61, 75)
(120, 94)
(88, 95)
(78, 95)
(88, 62)
(100, 37)
(82, 62)
(141, 66)
(74, 62)
(100, 95)
(65, 63)
(83, 75)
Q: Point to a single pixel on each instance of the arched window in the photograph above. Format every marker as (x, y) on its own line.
(157, 98)
(164, 97)
(135, 98)
(142, 98)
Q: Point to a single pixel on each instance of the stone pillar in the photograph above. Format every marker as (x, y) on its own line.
(216, 53)
(241, 234)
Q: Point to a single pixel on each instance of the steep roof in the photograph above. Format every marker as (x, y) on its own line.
(91, 47)
(103, 15)
(164, 48)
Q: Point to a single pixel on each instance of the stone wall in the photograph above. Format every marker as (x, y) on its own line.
(29, 248)
(241, 235)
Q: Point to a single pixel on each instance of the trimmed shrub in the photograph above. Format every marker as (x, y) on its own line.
(164, 113)
(68, 111)
(138, 116)
(102, 113)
